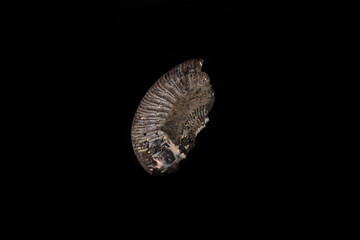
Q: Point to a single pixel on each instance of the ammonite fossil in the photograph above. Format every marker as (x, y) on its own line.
(170, 115)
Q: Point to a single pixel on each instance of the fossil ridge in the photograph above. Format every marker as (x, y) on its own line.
(170, 115)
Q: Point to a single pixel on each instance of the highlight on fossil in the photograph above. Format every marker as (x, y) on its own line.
(170, 116)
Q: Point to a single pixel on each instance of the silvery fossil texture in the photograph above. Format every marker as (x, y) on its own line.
(169, 117)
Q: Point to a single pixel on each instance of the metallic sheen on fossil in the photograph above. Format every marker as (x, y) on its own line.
(169, 117)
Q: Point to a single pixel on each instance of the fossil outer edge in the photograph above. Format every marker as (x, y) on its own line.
(170, 115)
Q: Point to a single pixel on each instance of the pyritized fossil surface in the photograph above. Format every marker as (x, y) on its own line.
(170, 115)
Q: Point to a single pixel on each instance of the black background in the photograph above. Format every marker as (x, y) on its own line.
(252, 156)
(119, 50)
(80, 72)
(246, 55)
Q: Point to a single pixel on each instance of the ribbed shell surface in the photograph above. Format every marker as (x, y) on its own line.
(154, 109)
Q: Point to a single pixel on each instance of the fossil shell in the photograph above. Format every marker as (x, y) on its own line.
(170, 115)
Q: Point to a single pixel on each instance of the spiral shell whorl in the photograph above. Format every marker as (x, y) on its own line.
(169, 117)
